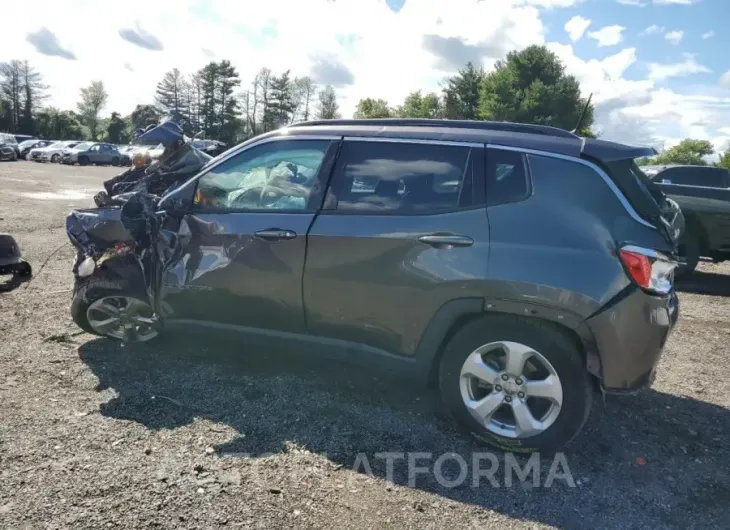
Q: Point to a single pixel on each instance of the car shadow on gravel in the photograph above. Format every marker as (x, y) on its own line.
(709, 283)
(11, 282)
(651, 459)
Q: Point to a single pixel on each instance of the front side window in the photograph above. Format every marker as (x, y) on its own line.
(277, 175)
(401, 178)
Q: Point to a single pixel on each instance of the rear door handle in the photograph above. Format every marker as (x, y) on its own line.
(446, 241)
(275, 234)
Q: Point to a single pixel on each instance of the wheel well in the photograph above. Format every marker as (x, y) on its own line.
(571, 334)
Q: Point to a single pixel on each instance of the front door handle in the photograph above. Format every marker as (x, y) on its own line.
(275, 234)
(446, 241)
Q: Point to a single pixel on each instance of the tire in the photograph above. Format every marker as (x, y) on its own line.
(55, 158)
(553, 345)
(90, 290)
(14, 158)
(689, 250)
(24, 270)
(83, 161)
(115, 161)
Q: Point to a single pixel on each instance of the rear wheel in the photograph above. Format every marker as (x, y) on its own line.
(110, 308)
(517, 384)
(115, 161)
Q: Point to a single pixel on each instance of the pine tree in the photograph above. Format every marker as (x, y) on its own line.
(328, 109)
(170, 97)
(282, 102)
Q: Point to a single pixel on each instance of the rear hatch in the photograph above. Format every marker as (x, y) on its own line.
(647, 199)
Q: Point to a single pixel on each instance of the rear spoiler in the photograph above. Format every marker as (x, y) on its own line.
(611, 151)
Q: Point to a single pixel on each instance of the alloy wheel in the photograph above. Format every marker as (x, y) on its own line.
(122, 317)
(511, 389)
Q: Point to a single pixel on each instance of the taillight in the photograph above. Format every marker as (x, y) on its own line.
(650, 270)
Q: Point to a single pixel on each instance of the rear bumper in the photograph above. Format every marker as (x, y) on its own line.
(630, 334)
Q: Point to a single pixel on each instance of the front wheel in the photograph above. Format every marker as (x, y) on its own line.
(110, 308)
(689, 252)
(517, 384)
(55, 158)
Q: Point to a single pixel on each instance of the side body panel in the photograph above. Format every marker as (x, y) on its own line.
(223, 273)
(369, 279)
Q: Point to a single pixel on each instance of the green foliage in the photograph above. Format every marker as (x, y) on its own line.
(327, 107)
(462, 93)
(171, 97)
(116, 129)
(644, 161)
(93, 99)
(686, 152)
(531, 86)
(418, 106)
(724, 160)
(142, 116)
(54, 124)
(373, 108)
(219, 108)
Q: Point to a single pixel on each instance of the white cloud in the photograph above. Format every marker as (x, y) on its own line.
(677, 2)
(362, 46)
(708, 35)
(725, 80)
(689, 66)
(652, 30)
(576, 26)
(637, 3)
(675, 36)
(608, 35)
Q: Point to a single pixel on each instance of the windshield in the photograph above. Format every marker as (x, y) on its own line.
(57, 145)
(27, 143)
(83, 146)
(5, 138)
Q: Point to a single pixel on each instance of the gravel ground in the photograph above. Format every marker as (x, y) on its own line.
(198, 434)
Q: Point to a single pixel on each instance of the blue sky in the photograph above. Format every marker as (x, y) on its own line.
(657, 68)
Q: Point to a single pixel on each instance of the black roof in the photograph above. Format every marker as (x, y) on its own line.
(518, 135)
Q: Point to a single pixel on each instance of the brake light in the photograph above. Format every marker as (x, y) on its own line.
(650, 270)
(637, 266)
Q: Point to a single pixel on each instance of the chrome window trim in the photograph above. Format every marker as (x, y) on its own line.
(410, 141)
(245, 147)
(610, 183)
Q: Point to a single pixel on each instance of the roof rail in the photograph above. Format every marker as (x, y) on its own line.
(505, 126)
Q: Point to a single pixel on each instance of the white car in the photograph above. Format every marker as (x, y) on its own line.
(52, 153)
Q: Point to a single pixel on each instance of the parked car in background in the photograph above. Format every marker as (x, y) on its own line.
(127, 153)
(93, 153)
(519, 267)
(703, 194)
(8, 147)
(156, 152)
(210, 147)
(26, 146)
(23, 137)
(53, 152)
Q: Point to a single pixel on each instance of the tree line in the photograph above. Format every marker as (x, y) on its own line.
(690, 152)
(529, 86)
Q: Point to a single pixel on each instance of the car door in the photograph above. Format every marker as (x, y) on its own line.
(403, 231)
(242, 248)
(93, 153)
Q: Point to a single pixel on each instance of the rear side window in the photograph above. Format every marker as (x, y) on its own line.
(401, 178)
(507, 177)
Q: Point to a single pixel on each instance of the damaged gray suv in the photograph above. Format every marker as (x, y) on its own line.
(518, 267)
